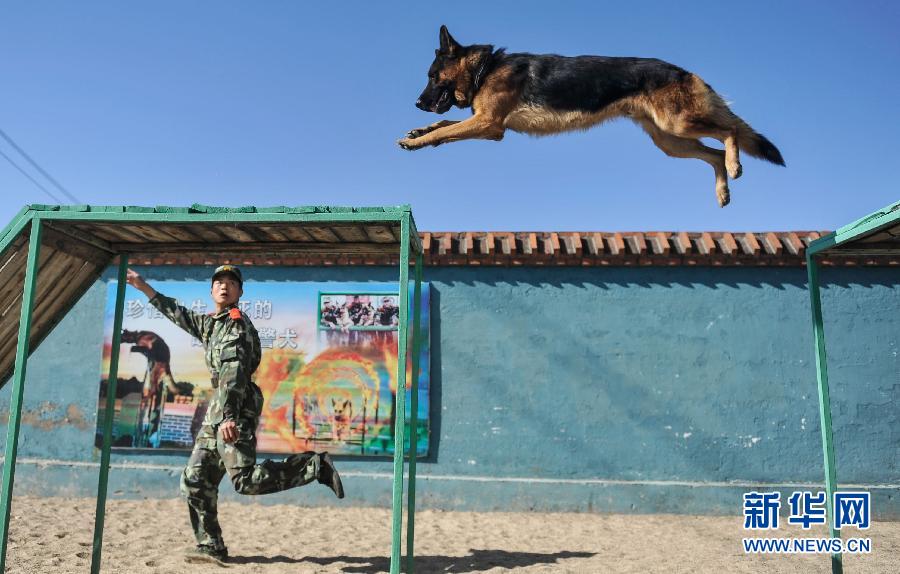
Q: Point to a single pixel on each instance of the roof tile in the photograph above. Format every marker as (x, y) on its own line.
(659, 243)
(594, 243)
(750, 244)
(727, 244)
(705, 244)
(615, 244)
(635, 243)
(507, 243)
(772, 243)
(793, 243)
(682, 243)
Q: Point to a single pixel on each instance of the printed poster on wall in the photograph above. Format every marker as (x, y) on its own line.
(328, 372)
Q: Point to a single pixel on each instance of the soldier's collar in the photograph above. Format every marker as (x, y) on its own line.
(224, 312)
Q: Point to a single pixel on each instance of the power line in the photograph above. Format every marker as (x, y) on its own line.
(42, 171)
(25, 173)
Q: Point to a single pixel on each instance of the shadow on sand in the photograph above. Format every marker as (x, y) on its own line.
(475, 561)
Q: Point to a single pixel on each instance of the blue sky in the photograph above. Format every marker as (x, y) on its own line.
(290, 103)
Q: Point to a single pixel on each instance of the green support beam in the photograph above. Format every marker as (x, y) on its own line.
(414, 418)
(400, 417)
(15, 407)
(824, 404)
(108, 414)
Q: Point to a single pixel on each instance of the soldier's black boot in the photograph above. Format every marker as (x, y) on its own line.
(328, 475)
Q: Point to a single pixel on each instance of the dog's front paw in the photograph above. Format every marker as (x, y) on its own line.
(408, 144)
(417, 133)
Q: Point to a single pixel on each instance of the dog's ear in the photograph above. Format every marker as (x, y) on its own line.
(448, 44)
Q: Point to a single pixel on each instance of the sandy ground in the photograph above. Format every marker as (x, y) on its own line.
(53, 535)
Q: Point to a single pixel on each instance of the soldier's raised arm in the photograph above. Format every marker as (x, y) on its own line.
(191, 321)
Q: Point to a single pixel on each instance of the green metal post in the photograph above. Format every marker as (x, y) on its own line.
(413, 423)
(15, 406)
(400, 418)
(108, 414)
(824, 405)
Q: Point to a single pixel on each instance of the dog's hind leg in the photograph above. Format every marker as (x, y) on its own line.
(728, 137)
(675, 146)
(715, 119)
(692, 110)
(732, 155)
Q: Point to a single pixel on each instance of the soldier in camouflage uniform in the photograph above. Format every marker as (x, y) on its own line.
(226, 442)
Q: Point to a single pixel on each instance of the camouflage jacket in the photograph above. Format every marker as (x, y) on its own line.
(232, 355)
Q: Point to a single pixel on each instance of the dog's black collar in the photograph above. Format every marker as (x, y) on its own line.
(485, 66)
(479, 74)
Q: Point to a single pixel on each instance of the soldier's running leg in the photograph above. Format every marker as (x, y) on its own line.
(269, 476)
(200, 486)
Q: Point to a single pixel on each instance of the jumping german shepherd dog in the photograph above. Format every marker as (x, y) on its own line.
(549, 94)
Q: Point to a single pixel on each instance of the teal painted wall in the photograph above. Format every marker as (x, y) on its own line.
(599, 389)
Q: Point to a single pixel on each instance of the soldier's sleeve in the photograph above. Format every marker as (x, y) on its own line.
(235, 355)
(191, 321)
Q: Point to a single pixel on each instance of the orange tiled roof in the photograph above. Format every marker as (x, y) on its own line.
(775, 248)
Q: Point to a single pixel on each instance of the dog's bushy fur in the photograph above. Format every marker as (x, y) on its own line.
(549, 94)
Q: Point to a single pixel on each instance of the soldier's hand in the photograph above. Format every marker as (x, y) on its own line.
(134, 279)
(229, 432)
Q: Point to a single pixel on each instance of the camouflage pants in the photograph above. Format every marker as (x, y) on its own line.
(212, 458)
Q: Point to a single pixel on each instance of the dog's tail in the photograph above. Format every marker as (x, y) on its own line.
(757, 145)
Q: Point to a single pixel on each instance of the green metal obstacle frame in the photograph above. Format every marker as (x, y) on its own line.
(875, 234)
(51, 255)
